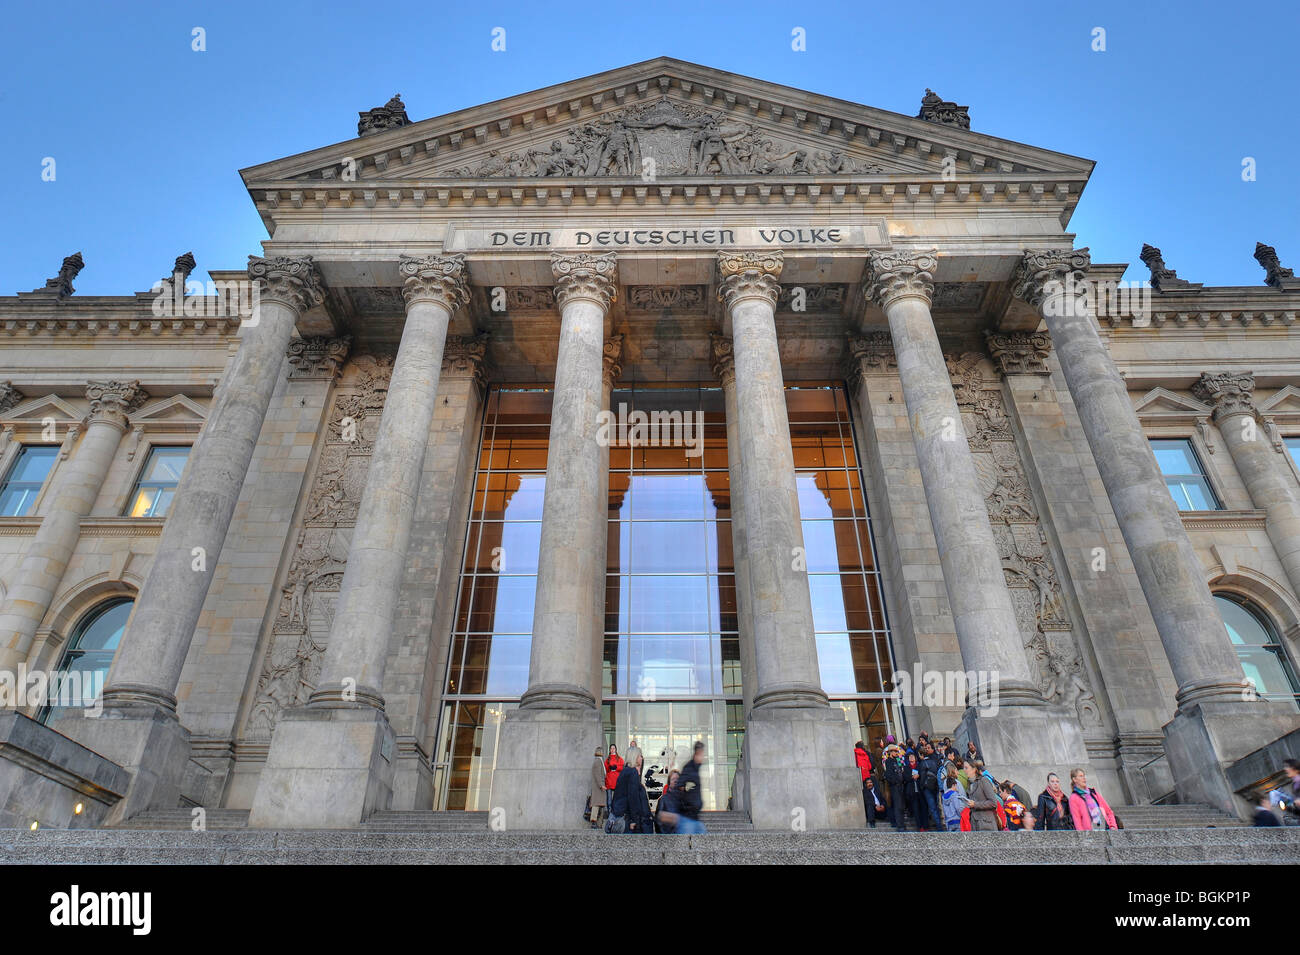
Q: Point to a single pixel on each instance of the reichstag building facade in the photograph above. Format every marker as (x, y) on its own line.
(668, 404)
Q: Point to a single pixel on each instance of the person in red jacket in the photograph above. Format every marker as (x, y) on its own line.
(613, 766)
(863, 758)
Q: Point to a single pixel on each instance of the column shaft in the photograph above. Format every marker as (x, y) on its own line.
(981, 606)
(1262, 468)
(571, 565)
(785, 650)
(148, 663)
(79, 481)
(353, 670)
(1203, 661)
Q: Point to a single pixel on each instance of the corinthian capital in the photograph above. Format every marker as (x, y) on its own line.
(613, 359)
(901, 274)
(750, 274)
(442, 279)
(872, 353)
(1020, 353)
(9, 396)
(584, 275)
(722, 353)
(320, 357)
(288, 280)
(1042, 271)
(112, 401)
(1227, 394)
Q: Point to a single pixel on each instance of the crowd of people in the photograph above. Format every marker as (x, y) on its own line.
(940, 789)
(622, 789)
(920, 783)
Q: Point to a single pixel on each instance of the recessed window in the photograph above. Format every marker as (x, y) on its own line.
(81, 674)
(25, 479)
(1184, 475)
(1293, 445)
(157, 485)
(1263, 658)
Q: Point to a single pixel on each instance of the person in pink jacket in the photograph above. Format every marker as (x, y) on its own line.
(1087, 808)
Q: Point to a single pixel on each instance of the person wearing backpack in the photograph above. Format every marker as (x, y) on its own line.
(984, 803)
(930, 776)
(954, 801)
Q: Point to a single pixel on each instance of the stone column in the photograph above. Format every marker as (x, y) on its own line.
(722, 353)
(1216, 721)
(798, 747)
(724, 367)
(46, 557)
(1263, 468)
(139, 729)
(555, 730)
(331, 762)
(1019, 735)
(612, 369)
(901, 284)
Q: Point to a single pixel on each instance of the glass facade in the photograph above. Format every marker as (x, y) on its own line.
(671, 661)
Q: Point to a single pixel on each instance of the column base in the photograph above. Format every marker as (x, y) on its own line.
(1202, 741)
(148, 742)
(543, 769)
(328, 768)
(1025, 743)
(801, 771)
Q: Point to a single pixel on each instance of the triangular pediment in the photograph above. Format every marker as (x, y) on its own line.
(1162, 403)
(38, 409)
(689, 121)
(175, 410)
(1285, 401)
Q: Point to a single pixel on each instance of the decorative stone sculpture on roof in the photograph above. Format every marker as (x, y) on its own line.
(1275, 275)
(664, 139)
(183, 266)
(1164, 279)
(937, 110)
(61, 285)
(389, 116)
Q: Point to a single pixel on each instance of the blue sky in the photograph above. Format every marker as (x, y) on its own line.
(147, 135)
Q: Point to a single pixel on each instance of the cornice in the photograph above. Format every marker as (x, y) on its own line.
(90, 526)
(1223, 520)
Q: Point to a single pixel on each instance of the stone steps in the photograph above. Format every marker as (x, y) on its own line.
(183, 819)
(428, 821)
(358, 846)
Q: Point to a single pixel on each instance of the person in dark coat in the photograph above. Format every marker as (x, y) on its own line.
(690, 798)
(630, 802)
(1264, 814)
(914, 787)
(894, 779)
(1053, 806)
(931, 774)
(875, 805)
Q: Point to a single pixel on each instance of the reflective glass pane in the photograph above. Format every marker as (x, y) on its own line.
(34, 464)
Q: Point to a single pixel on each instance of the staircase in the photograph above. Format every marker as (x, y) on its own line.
(426, 821)
(1240, 845)
(1190, 816)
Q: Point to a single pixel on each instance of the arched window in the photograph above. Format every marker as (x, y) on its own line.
(78, 681)
(1260, 650)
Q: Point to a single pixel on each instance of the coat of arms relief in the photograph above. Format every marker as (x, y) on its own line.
(1026, 561)
(310, 590)
(665, 138)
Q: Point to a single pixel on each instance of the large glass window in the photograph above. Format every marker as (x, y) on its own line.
(671, 670)
(84, 666)
(1293, 445)
(26, 478)
(157, 484)
(1184, 475)
(1263, 658)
